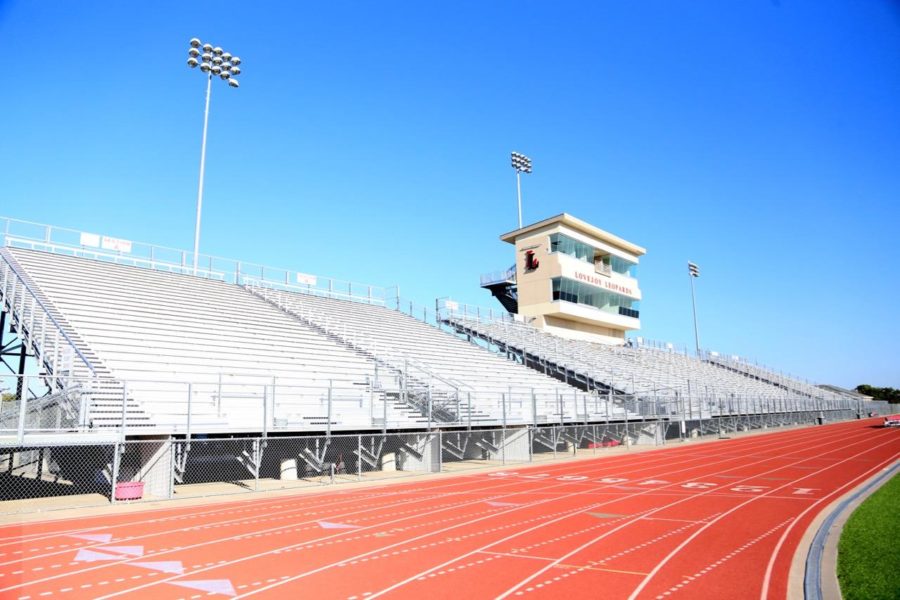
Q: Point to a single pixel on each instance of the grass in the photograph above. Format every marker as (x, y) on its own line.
(869, 550)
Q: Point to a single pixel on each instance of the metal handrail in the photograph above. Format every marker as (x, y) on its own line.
(385, 357)
(148, 254)
(40, 303)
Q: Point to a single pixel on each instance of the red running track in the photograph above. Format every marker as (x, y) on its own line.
(718, 519)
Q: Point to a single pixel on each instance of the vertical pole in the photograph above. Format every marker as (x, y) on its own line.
(114, 475)
(694, 306)
(22, 406)
(328, 424)
(559, 407)
(21, 388)
(202, 171)
(429, 405)
(690, 400)
(265, 411)
(124, 406)
(533, 408)
(187, 436)
(519, 195)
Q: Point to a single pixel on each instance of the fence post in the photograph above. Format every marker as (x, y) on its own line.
(114, 476)
(533, 408)
(359, 458)
(187, 435)
(124, 407)
(170, 484)
(22, 410)
(560, 407)
(430, 404)
(328, 421)
(265, 411)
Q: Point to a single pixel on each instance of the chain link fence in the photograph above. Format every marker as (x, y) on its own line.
(65, 475)
(72, 475)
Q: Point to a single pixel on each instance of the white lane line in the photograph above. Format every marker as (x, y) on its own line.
(693, 536)
(761, 444)
(604, 468)
(704, 462)
(771, 564)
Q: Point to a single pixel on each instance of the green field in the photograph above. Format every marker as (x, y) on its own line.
(869, 550)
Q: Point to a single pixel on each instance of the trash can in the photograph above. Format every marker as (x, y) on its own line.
(130, 490)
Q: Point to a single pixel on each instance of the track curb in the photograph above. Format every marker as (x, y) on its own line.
(819, 582)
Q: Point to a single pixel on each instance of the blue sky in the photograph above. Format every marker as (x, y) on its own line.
(370, 141)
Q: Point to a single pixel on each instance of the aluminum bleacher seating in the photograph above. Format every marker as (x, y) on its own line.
(459, 373)
(673, 382)
(157, 332)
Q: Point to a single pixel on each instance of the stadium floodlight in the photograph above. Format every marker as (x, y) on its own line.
(693, 273)
(213, 61)
(522, 164)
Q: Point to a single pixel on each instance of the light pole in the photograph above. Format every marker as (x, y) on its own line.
(693, 272)
(522, 164)
(213, 61)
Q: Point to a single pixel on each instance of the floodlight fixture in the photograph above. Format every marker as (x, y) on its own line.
(522, 164)
(213, 61)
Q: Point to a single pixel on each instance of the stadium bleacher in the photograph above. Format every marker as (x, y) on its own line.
(447, 365)
(278, 374)
(159, 331)
(195, 352)
(136, 338)
(673, 382)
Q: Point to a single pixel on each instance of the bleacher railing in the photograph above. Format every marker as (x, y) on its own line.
(507, 275)
(71, 242)
(236, 403)
(37, 327)
(446, 308)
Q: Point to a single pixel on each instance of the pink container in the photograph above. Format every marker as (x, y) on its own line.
(129, 490)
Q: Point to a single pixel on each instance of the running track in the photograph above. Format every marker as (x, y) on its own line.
(719, 519)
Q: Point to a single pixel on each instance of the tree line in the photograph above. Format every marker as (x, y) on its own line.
(887, 394)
